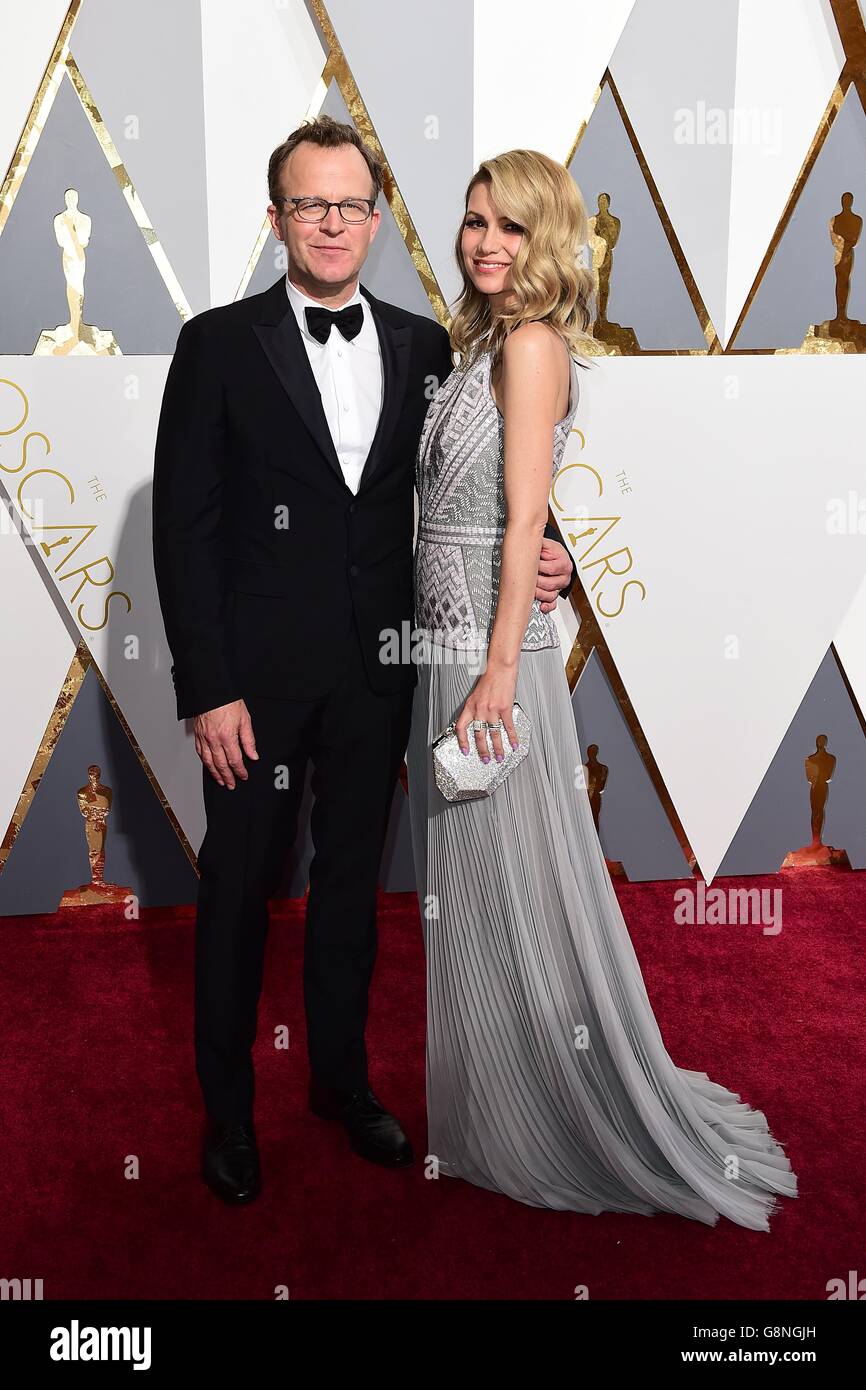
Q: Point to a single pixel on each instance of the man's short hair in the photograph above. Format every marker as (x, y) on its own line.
(329, 134)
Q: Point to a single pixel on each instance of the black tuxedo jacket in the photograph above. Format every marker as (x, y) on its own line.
(262, 552)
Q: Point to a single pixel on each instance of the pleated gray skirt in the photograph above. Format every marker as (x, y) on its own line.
(547, 1077)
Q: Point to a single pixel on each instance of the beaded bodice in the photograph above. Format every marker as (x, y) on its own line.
(459, 477)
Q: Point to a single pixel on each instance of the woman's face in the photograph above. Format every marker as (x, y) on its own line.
(489, 243)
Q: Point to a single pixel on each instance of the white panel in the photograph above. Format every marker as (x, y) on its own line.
(100, 419)
(28, 34)
(537, 70)
(567, 625)
(262, 64)
(722, 490)
(851, 637)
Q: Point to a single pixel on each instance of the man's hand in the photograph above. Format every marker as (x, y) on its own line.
(554, 572)
(220, 735)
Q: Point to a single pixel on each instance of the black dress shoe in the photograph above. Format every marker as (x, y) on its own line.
(373, 1132)
(230, 1163)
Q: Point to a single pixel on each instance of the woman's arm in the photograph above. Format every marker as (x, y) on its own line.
(532, 366)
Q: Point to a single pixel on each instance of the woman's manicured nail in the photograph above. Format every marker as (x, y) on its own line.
(466, 751)
(485, 758)
(499, 757)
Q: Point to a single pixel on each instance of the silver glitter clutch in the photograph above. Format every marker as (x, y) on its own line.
(466, 778)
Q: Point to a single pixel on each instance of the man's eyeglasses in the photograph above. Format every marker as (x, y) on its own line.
(317, 209)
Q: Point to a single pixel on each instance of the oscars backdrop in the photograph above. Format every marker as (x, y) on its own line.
(714, 493)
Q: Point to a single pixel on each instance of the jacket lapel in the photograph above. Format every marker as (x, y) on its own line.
(277, 331)
(394, 344)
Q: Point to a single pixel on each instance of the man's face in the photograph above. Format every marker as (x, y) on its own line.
(325, 258)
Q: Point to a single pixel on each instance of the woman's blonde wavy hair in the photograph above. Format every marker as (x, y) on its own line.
(549, 281)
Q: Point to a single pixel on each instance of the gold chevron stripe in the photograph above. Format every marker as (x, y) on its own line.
(38, 115)
(146, 767)
(72, 683)
(127, 188)
(338, 68)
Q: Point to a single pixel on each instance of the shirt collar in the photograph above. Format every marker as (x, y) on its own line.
(301, 301)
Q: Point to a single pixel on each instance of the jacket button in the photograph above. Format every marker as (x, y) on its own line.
(353, 508)
(353, 569)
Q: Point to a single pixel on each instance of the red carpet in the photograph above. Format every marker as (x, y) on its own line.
(98, 1067)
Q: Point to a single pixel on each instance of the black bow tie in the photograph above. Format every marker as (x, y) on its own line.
(349, 321)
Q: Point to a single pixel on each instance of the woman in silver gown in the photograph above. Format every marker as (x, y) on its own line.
(547, 1076)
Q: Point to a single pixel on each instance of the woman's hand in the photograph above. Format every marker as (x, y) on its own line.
(491, 698)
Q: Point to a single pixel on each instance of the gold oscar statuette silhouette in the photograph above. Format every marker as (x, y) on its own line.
(595, 780)
(94, 803)
(841, 334)
(604, 231)
(820, 767)
(75, 338)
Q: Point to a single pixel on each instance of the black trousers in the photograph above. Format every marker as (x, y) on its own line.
(356, 740)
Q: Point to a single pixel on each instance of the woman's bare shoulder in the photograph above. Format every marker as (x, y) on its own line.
(537, 346)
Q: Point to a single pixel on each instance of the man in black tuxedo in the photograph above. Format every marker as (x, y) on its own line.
(282, 527)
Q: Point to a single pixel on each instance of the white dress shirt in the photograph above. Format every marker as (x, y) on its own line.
(350, 381)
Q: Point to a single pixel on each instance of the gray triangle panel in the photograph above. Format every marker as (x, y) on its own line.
(123, 290)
